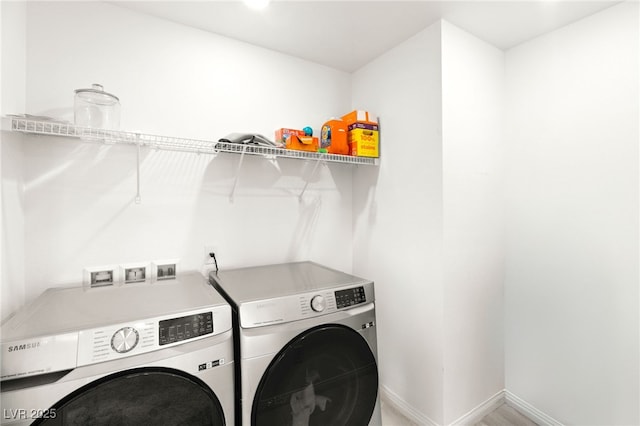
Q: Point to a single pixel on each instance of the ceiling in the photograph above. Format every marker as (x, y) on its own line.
(348, 34)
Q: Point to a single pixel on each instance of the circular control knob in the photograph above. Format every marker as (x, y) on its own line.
(318, 303)
(124, 340)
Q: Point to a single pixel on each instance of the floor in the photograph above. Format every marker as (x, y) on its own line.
(501, 416)
(505, 416)
(392, 417)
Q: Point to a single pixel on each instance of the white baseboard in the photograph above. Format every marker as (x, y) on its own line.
(477, 413)
(530, 411)
(399, 404)
(473, 416)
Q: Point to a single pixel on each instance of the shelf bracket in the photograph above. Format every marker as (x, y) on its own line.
(138, 197)
(235, 182)
(313, 173)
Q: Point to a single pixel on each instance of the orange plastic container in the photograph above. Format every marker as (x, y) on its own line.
(333, 137)
(283, 133)
(303, 143)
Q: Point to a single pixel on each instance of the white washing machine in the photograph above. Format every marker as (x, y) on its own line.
(135, 354)
(305, 345)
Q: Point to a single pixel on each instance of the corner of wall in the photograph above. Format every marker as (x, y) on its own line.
(12, 100)
(399, 204)
(473, 240)
(13, 58)
(572, 220)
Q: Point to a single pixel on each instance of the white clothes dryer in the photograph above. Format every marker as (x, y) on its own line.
(305, 345)
(134, 354)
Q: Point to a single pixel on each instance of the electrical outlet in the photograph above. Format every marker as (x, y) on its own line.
(209, 248)
(208, 264)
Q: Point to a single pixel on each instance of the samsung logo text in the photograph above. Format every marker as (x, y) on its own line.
(24, 346)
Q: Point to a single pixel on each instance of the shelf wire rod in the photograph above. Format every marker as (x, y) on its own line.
(53, 128)
(138, 197)
(313, 173)
(235, 182)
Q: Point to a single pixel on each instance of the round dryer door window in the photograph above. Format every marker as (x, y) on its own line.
(143, 396)
(325, 376)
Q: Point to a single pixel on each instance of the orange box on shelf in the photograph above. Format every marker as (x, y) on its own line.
(302, 143)
(364, 140)
(282, 134)
(359, 116)
(363, 134)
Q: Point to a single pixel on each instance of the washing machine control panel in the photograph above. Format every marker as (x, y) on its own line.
(318, 303)
(120, 340)
(124, 340)
(174, 330)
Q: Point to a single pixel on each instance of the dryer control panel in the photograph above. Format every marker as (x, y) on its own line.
(261, 313)
(350, 297)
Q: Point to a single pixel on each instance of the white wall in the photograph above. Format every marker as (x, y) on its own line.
(428, 221)
(79, 205)
(473, 244)
(571, 302)
(398, 219)
(571, 298)
(12, 38)
(12, 99)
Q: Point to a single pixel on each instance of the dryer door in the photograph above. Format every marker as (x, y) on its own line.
(152, 396)
(324, 376)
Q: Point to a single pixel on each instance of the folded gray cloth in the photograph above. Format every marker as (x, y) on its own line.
(249, 139)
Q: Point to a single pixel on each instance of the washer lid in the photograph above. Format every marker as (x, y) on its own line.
(64, 310)
(282, 280)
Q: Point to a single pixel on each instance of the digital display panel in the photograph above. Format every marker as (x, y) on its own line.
(178, 329)
(350, 297)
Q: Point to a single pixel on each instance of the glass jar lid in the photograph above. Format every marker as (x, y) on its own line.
(97, 94)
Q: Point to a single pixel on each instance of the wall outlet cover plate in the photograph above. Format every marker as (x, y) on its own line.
(100, 276)
(139, 272)
(165, 269)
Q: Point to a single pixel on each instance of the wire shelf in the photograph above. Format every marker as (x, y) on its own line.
(55, 128)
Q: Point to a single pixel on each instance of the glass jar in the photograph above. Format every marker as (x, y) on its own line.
(96, 108)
